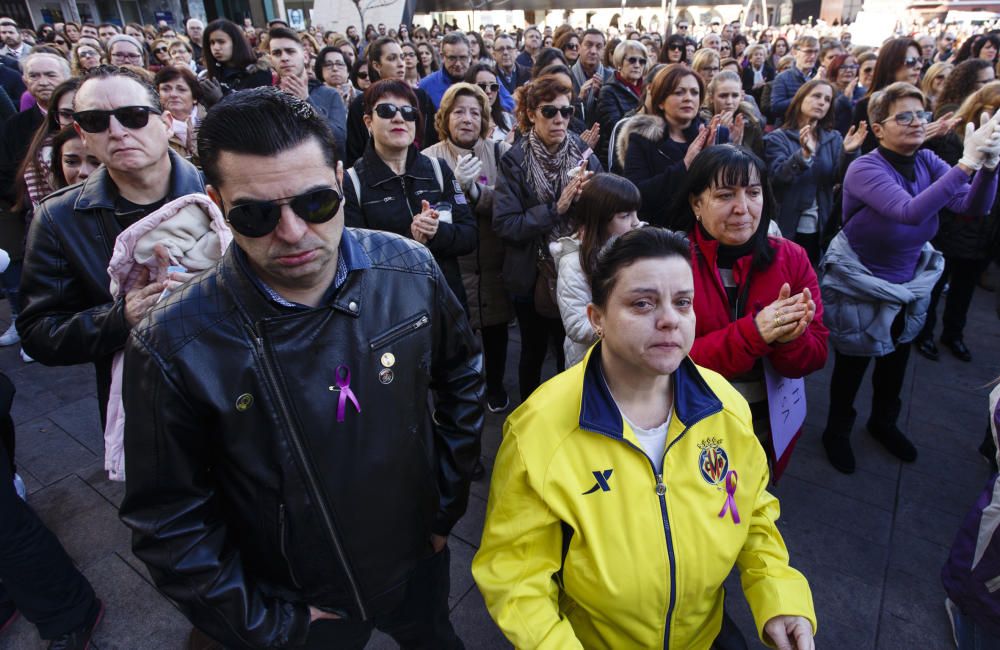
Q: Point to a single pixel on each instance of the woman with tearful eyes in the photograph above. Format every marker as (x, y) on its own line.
(758, 301)
(628, 487)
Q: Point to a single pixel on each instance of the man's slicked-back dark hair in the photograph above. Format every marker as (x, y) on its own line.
(260, 122)
(107, 71)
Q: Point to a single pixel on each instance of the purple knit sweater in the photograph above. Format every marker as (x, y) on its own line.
(893, 217)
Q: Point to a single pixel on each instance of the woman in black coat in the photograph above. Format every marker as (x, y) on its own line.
(621, 94)
(395, 188)
(539, 180)
(662, 144)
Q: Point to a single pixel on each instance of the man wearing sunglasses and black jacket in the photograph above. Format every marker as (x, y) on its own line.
(68, 315)
(291, 479)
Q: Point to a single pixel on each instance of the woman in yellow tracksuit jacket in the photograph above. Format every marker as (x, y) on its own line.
(587, 543)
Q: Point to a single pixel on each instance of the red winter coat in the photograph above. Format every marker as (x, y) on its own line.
(731, 348)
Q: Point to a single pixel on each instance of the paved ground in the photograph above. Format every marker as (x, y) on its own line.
(871, 544)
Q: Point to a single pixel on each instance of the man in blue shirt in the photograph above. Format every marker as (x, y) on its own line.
(788, 82)
(532, 43)
(456, 59)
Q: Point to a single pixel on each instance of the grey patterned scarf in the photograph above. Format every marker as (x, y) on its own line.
(547, 172)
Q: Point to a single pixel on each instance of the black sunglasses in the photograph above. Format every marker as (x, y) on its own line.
(362, 74)
(388, 111)
(131, 117)
(489, 88)
(675, 46)
(548, 111)
(632, 60)
(913, 62)
(259, 218)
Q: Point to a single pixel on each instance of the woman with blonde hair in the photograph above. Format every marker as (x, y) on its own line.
(620, 94)
(463, 124)
(933, 82)
(725, 98)
(85, 57)
(706, 64)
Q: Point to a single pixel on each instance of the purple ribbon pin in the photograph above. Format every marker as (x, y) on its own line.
(731, 480)
(343, 379)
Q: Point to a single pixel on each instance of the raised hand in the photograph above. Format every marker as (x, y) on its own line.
(855, 137)
(592, 135)
(424, 225)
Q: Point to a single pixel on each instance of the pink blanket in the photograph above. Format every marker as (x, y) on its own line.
(195, 234)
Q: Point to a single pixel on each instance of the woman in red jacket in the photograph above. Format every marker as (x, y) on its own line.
(756, 297)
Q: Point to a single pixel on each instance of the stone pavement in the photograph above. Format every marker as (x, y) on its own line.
(871, 544)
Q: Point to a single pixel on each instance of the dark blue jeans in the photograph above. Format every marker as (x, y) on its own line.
(35, 571)
(419, 623)
(971, 636)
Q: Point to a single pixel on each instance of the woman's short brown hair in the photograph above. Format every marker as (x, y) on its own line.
(396, 88)
(666, 82)
(535, 93)
(882, 100)
(451, 95)
(172, 73)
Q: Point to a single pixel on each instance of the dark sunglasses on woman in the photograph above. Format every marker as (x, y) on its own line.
(487, 87)
(131, 117)
(388, 111)
(548, 111)
(913, 62)
(259, 218)
(632, 60)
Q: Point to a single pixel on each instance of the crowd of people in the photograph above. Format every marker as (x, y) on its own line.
(294, 258)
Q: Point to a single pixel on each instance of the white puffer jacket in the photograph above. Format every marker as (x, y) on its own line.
(573, 296)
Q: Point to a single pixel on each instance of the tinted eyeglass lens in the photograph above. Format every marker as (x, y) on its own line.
(388, 111)
(632, 60)
(258, 218)
(548, 112)
(131, 117)
(490, 88)
(910, 62)
(907, 118)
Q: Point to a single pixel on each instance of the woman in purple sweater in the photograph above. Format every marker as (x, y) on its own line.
(892, 196)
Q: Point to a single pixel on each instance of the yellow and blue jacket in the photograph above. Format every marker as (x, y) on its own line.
(585, 545)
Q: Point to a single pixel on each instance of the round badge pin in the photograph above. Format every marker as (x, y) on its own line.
(386, 376)
(244, 401)
(388, 359)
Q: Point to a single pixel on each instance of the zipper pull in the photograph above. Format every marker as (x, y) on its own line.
(661, 489)
(420, 323)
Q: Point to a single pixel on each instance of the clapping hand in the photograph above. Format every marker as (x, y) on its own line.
(571, 192)
(467, 171)
(941, 125)
(424, 225)
(855, 137)
(981, 144)
(785, 319)
(592, 135)
(706, 134)
(807, 139)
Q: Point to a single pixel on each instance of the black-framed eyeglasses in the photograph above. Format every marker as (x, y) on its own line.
(259, 218)
(489, 87)
(388, 112)
(334, 64)
(913, 62)
(131, 117)
(632, 60)
(906, 118)
(549, 111)
(159, 49)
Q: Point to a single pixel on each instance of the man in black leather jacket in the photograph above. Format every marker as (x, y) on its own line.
(285, 463)
(68, 315)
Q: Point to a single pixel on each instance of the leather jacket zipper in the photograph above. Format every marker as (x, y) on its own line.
(399, 331)
(282, 545)
(311, 481)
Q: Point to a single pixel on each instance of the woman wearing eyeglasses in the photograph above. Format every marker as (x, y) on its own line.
(85, 57)
(621, 93)
(393, 187)
(879, 271)
(540, 179)
(674, 50)
(757, 72)
(360, 75)
(332, 68)
(660, 145)
(898, 60)
(707, 63)
(843, 74)
(569, 44)
(501, 122)
(410, 76)
(161, 55)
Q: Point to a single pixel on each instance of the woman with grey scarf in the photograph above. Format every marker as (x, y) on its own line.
(540, 179)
